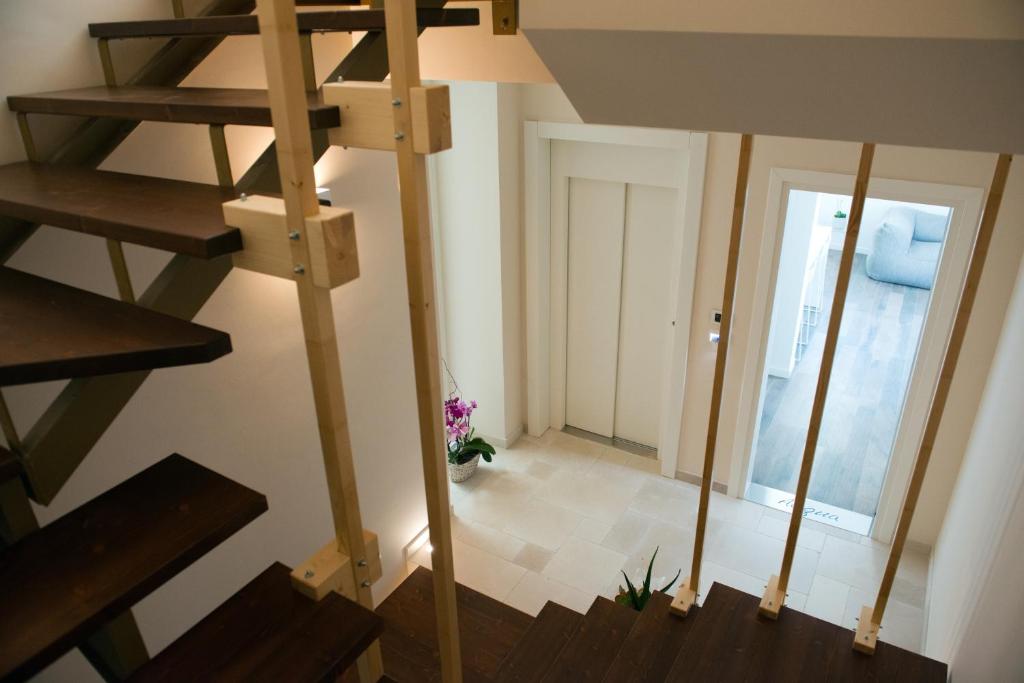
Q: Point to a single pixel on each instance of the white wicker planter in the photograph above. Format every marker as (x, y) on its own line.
(458, 473)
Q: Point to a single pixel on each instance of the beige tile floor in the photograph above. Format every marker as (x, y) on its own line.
(556, 518)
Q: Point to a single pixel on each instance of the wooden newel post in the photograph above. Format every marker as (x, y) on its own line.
(280, 38)
(866, 637)
(686, 597)
(403, 58)
(775, 593)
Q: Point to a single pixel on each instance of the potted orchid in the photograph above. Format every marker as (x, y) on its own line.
(464, 447)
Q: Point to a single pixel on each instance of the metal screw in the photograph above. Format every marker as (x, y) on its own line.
(396, 102)
(299, 269)
(341, 79)
(309, 573)
(365, 584)
(294, 235)
(243, 197)
(361, 563)
(399, 135)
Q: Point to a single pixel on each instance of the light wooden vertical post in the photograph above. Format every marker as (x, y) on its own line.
(288, 105)
(866, 637)
(775, 593)
(403, 57)
(687, 595)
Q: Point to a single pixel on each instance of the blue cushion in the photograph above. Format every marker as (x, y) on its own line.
(929, 227)
(898, 256)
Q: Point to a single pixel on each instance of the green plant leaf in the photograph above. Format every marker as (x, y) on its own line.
(486, 456)
(672, 582)
(632, 593)
(650, 568)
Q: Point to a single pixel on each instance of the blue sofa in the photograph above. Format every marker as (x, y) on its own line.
(906, 248)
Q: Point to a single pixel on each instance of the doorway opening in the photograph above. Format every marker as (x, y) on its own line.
(899, 249)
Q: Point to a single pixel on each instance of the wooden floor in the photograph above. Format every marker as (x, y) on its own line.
(877, 344)
(723, 640)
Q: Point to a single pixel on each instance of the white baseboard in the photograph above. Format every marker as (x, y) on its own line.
(696, 480)
(507, 440)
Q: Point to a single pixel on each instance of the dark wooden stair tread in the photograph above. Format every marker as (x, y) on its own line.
(244, 107)
(10, 466)
(591, 650)
(553, 627)
(488, 630)
(247, 24)
(653, 643)
(268, 631)
(729, 641)
(61, 583)
(173, 215)
(51, 331)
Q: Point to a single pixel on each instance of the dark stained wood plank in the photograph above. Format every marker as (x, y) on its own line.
(51, 331)
(58, 585)
(173, 215)
(553, 627)
(589, 653)
(270, 632)
(10, 467)
(731, 642)
(488, 629)
(355, 20)
(238, 106)
(653, 643)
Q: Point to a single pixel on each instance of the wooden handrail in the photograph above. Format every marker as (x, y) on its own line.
(285, 85)
(687, 594)
(870, 621)
(775, 593)
(403, 58)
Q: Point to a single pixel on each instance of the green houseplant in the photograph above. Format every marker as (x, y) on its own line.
(637, 599)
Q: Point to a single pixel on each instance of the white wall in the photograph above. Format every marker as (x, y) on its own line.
(786, 312)
(480, 325)
(976, 597)
(248, 415)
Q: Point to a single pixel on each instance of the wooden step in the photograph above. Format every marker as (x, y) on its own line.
(729, 641)
(537, 651)
(155, 212)
(653, 643)
(61, 583)
(51, 331)
(268, 631)
(594, 646)
(243, 107)
(10, 466)
(247, 24)
(488, 630)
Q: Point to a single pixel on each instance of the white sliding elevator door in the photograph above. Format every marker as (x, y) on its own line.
(619, 243)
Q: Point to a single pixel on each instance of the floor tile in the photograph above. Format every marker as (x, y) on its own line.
(627, 534)
(484, 572)
(590, 496)
(584, 565)
(541, 523)
(534, 590)
(533, 557)
(592, 530)
(758, 555)
(827, 599)
(778, 528)
(487, 538)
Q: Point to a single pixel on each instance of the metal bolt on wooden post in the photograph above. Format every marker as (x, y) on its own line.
(686, 597)
(775, 594)
(866, 637)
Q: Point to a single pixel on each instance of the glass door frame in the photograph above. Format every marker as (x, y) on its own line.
(966, 205)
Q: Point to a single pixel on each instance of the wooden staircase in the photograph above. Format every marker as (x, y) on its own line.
(73, 582)
(723, 640)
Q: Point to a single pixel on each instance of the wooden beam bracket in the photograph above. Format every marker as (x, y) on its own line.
(367, 116)
(685, 599)
(773, 599)
(266, 239)
(866, 639)
(504, 17)
(330, 569)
